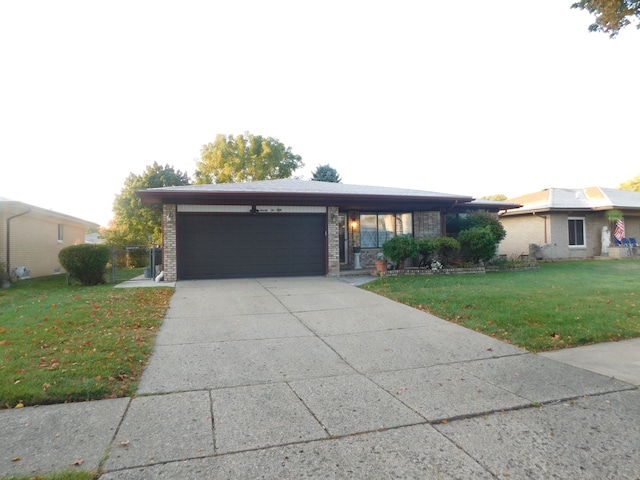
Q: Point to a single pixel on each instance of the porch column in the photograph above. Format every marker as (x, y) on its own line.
(169, 264)
(333, 242)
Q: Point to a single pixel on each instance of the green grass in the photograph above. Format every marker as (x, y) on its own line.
(61, 343)
(562, 304)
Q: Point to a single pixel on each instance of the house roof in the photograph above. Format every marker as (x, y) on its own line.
(576, 199)
(303, 192)
(14, 207)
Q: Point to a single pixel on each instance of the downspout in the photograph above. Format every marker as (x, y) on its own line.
(545, 225)
(9, 239)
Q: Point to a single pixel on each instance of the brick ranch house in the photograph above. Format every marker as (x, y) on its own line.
(292, 227)
(567, 223)
(31, 238)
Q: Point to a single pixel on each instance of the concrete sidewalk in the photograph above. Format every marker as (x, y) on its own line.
(312, 377)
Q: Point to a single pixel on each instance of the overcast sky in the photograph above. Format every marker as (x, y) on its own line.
(467, 97)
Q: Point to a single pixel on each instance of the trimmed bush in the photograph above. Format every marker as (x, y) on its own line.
(482, 218)
(4, 275)
(447, 249)
(85, 262)
(427, 248)
(399, 248)
(478, 244)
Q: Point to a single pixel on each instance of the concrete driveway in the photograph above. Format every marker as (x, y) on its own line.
(312, 377)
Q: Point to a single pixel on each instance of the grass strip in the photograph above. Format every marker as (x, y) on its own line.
(61, 343)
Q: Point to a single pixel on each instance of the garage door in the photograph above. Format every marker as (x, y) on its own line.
(245, 246)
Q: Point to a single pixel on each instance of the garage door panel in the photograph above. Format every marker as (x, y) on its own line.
(236, 246)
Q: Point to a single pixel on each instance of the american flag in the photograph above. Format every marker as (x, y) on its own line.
(619, 231)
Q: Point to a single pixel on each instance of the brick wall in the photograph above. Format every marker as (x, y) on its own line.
(333, 241)
(169, 243)
(34, 241)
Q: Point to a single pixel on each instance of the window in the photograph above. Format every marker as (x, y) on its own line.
(377, 228)
(576, 232)
(60, 233)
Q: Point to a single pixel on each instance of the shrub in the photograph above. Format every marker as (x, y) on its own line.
(399, 248)
(478, 244)
(482, 218)
(427, 248)
(86, 262)
(447, 249)
(4, 276)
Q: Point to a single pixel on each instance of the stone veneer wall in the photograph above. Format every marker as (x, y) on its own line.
(169, 242)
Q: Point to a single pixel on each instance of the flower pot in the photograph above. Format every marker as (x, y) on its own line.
(381, 265)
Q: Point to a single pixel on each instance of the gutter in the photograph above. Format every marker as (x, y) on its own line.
(9, 239)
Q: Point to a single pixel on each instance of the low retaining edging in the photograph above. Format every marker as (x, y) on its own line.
(414, 271)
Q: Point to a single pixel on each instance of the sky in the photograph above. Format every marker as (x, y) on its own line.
(467, 97)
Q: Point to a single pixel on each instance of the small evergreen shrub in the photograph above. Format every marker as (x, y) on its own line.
(4, 276)
(478, 244)
(427, 248)
(86, 262)
(399, 248)
(482, 218)
(447, 249)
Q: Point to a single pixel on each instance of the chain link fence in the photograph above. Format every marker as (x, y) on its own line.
(128, 261)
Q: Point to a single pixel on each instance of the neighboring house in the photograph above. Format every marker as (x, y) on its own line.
(93, 238)
(292, 227)
(566, 223)
(31, 238)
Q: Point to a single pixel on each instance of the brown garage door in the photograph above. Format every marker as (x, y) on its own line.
(245, 246)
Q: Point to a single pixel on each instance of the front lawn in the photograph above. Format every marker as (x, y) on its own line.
(562, 304)
(61, 343)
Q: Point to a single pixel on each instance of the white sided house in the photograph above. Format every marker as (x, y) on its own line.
(292, 227)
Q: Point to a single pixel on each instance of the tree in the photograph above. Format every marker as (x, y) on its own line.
(632, 185)
(245, 158)
(325, 173)
(134, 222)
(611, 15)
(498, 197)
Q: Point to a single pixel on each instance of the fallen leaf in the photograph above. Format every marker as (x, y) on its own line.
(45, 386)
(19, 405)
(124, 443)
(78, 462)
(444, 422)
(15, 459)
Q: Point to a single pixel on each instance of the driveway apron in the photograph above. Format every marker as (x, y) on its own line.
(312, 377)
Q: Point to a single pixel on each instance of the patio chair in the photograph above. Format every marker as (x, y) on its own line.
(616, 242)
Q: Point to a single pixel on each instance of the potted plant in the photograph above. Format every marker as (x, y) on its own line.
(381, 263)
(399, 248)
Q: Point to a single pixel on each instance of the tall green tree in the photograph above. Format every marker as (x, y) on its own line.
(135, 223)
(245, 158)
(326, 173)
(611, 16)
(632, 185)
